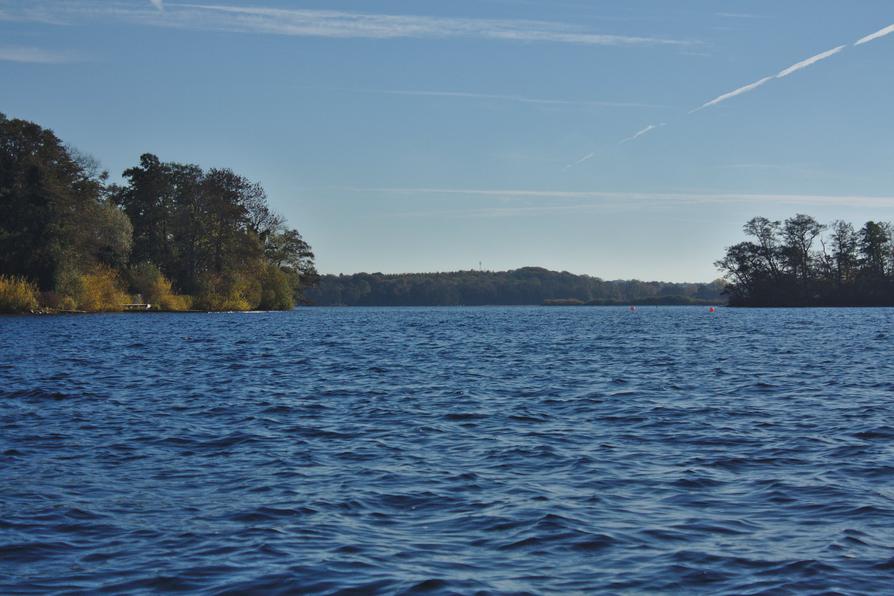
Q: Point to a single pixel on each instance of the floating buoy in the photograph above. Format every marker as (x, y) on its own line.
(632, 309)
(712, 309)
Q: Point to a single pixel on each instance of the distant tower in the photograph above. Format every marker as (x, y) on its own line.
(480, 267)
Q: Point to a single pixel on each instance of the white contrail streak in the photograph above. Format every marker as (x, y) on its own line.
(809, 62)
(646, 130)
(782, 74)
(732, 94)
(159, 4)
(877, 35)
(586, 157)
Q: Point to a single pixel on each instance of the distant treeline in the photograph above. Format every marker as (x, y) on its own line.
(801, 262)
(173, 235)
(527, 286)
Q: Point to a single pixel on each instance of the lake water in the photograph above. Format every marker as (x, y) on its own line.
(494, 449)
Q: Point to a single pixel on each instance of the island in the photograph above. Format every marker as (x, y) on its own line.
(801, 262)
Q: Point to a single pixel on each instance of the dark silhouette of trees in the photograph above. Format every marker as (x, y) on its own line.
(526, 286)
(844, 260)
(793, 263)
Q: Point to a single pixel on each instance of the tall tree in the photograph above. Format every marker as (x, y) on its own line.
(767, 234)
(844, 244)
(800, 232)
(875, 249)
(53, 212)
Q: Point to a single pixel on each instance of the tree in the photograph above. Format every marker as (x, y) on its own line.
(287, 249)
(875, 249)
(767, 234)
(844, 244)
(54, 216)
(207, 233)
(743, 266)
(800, 232)
(148, 200)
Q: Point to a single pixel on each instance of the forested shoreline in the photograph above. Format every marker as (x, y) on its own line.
(173, 236)
(802, 262)
(179, 237)
(521, 287)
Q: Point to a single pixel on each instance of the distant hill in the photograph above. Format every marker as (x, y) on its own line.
(526, 286)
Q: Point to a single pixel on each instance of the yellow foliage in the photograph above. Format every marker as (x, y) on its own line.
(100, 291)
(68, 303)
(57, 301)
(17, 295)
(174, 302)
(156, 289)
(232, 292)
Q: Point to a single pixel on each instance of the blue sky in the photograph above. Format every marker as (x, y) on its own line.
(423, 135)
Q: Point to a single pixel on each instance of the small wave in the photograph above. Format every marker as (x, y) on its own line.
(35, 395)
(25, 552)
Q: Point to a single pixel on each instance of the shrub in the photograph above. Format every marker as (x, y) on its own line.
(233, 291)
(69, 289)
(155, 288)
(17, 294)
(277, 291)
(175, 302)
(57, 301)
(100, 291)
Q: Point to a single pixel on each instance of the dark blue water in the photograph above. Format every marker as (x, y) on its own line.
(451, 450)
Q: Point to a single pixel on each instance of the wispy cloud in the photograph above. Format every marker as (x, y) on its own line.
(877, 35)
(34, 56)
(642, 132)
(635, 198)
(301, 22)
(508, 98)
(808, 62)
(331, 23)
(739, 15)
(30, 13)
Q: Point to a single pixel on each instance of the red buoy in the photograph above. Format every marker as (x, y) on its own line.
(712, 309)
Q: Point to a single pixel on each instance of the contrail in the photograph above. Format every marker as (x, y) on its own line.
(159, 4)
(586, 157)
(646, 130)
(878, 34)
(761, 82)
(732, 94)
(782, 74)
(809, 62)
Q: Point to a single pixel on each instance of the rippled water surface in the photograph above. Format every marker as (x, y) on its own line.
(451, 450)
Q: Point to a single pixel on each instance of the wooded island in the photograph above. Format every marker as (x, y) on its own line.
(801, 262)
